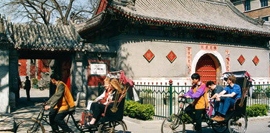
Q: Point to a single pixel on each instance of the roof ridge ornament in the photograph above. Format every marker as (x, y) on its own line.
(128, 3)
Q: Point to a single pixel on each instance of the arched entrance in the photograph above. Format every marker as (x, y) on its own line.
(208, 67)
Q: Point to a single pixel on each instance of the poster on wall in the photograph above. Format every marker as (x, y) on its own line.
(98, 69)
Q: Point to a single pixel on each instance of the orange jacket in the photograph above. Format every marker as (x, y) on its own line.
(62, 98)
(202, 102)
(200, 96)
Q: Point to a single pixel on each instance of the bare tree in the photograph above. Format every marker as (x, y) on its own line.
(48, 11)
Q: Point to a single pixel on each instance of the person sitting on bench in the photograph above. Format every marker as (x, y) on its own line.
(227, 98)
(106, 98)
(215, 90)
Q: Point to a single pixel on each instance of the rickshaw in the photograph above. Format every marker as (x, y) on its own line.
(110, 122)
(235, 120)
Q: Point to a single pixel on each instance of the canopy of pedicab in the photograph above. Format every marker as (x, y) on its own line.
(211, 15)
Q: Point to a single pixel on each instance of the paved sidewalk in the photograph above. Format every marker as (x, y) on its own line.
(154, 126)
(29, 109)
(134, 125)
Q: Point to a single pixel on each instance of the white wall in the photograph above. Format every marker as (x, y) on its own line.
(160, 69)
(4, 81)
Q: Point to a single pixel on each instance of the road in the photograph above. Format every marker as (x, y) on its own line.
(255, 125)
(28, 109)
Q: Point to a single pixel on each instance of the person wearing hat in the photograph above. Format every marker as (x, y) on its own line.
(60, 104)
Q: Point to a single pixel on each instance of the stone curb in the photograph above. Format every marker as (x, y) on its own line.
(259, 118)
(160, 121)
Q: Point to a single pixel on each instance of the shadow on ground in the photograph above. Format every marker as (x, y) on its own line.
(23, 103)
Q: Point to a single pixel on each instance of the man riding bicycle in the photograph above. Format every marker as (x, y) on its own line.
(197, 92)
(60, 104)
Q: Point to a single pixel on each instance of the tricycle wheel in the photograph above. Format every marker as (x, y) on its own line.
(238, 124)
(173, 124)
(112, 127)
(219, 127)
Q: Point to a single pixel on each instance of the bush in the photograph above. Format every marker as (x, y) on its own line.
(257, 110)
(139, 111)
(34, 81)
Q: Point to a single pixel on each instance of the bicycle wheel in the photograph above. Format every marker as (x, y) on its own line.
(112, 127)
(238, 124)
(219, 127)
(30, 126)
(173, 124)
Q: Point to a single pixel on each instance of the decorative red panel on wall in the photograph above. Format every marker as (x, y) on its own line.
(241, 59)
(227, 62)
(171, 56)
(188, 59)
(149, 55)
(256, 60)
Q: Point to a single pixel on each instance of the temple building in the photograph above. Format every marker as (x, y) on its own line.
(155, 41)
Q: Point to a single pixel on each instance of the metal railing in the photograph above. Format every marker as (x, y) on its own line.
(164, 97)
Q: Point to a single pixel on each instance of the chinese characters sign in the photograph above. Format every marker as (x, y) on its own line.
(98, 69)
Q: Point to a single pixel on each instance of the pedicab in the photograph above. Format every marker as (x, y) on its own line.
(112, 117)
(236, 118)
(110, 122)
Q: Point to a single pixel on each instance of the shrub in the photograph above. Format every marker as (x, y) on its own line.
(139, 111)
(34, 81)
(257, 110)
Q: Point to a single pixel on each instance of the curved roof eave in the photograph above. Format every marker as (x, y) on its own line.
(43, 37)
(91, 23)
(199, 14)
(178, 23)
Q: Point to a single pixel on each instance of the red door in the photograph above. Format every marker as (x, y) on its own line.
(206, 68)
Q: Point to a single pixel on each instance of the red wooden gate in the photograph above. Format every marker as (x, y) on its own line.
(206, 68)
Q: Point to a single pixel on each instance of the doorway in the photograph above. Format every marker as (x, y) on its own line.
(208, 67)
(38, 66)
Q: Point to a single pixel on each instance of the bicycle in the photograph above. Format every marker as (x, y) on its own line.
(111, 120)
(177, 122)
(36, 125)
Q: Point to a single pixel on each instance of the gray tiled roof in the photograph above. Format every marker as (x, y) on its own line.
(43, 37)
(200, 14)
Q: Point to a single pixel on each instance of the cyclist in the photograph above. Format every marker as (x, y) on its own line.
(198, 93)
(60, 104)
(215, 90)
(227, 97)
